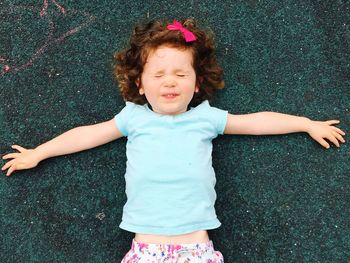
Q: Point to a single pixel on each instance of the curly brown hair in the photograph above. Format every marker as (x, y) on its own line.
(146, 38)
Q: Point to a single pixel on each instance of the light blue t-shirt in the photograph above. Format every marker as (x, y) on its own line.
(169, 175)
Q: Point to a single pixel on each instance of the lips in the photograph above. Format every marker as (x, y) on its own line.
(170, 95)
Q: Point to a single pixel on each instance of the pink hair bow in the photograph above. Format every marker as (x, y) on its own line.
(188, 35)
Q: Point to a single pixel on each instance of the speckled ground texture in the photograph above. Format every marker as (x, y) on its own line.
(280, 198)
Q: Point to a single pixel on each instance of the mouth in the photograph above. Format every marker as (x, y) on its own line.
(170, 95)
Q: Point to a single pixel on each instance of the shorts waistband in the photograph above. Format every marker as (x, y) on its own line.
(172, 248)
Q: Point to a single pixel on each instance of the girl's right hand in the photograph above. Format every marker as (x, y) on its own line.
(24, 159)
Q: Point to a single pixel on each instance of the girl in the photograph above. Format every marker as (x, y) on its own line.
(166, 76)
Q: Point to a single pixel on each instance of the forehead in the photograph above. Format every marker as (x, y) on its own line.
(162, 55)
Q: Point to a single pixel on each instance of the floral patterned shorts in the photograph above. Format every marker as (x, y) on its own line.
(167, 253)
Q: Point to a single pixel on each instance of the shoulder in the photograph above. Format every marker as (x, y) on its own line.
(217, 117)
(131, 113)
(132, 108)
(205, 107)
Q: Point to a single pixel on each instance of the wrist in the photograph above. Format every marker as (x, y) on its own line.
(307, 125)
(40, 153)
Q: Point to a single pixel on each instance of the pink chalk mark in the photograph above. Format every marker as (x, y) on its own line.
(6, 67)
(59, 6)
(50, 39)
(43, 11)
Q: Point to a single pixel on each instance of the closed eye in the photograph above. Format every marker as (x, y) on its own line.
(180, 75)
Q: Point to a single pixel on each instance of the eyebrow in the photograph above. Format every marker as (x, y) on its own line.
(175, 70)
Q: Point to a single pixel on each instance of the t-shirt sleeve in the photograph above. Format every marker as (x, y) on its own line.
(219, 119)
(122, 119)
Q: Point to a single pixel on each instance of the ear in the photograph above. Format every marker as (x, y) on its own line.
(196, 89)
(198, 83)
(141, 90)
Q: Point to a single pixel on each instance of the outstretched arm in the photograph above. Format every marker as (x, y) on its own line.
(74, 140)
(269, 123)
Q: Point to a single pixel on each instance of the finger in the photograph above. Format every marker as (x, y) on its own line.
(323, 143)
(338, 130)
(11, 170)
(339, 137)
(10, 155)
(331, 138)
(7, 165)
(331, 122)
(18, 148)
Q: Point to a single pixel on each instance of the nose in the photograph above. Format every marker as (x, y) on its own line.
(169, 81)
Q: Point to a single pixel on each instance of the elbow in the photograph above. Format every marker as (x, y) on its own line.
(260, 123)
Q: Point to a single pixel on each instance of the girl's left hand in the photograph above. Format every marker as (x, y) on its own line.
(321, 130)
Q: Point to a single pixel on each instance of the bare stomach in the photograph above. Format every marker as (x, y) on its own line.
(200, 236)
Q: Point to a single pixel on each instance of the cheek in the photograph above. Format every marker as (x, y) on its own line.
(196, 85)
(150, 93)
